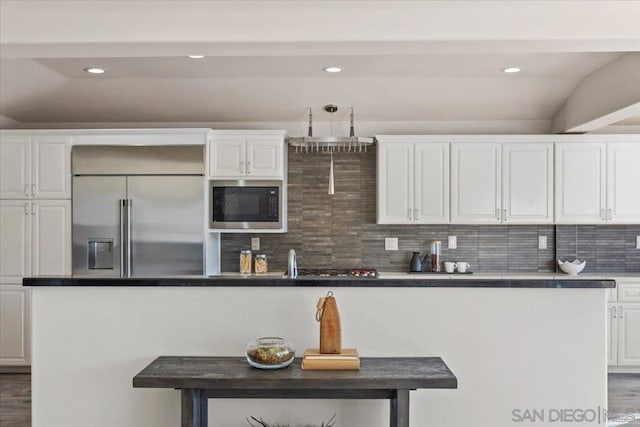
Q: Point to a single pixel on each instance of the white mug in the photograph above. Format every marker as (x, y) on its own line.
(449, 267)
(462, 266)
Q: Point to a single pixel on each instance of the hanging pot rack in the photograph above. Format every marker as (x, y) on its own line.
(318, 144)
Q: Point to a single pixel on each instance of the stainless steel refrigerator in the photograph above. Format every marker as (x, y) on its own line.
(138, 211)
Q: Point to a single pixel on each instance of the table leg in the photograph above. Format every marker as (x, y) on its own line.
(194, 408)
(400, 408)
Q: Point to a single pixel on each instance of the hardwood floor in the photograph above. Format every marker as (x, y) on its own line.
(624, 398)
(15, 399)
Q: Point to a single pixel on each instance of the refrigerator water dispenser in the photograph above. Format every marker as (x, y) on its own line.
(100, 256)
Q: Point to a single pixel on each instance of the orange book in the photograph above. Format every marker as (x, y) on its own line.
(341, 365)
(345, 354)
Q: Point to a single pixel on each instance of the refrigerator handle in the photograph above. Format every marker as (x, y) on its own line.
(128, 260)
(123, 237)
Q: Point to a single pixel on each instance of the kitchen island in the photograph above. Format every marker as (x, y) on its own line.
(515, 343)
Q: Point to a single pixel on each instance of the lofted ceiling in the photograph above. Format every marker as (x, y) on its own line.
(392, 72)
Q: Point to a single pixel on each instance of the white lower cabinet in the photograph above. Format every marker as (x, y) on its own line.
(623, 326)
(14, 325)
(629, 334)
(35, 239)
(51, 237)
(15, 239)
(612, 335)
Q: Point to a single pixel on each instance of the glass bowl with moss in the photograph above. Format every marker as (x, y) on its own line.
(270, 353)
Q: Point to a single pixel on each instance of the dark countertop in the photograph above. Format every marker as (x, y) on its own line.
(388, 280)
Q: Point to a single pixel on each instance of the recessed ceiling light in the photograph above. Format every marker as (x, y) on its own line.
(332, 69)
(94, 70)
(195, 56)
(511, 70)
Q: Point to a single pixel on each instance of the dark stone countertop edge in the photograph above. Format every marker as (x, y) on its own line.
(319, 282)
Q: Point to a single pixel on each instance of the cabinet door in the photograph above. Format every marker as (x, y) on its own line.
(14, 325)
(264, 158)
(580, 183)
(15, 168)
(51, 243)
(612, 335)
(527, 183)
(475, 183)
(629, 334)
(227, 157)
(431, 180)
(395, 183)
(623, 182)
(51, 168)
(15, 239)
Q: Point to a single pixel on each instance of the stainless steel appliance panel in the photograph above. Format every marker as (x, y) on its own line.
(246, 204)
(167, 220)
(96, 224)
(137, 160)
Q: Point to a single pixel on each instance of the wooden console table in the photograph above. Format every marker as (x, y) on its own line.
(203, 378)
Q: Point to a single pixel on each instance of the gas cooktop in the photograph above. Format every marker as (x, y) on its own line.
(334, 272)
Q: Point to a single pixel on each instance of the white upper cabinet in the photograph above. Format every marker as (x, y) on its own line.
(227, 157)
(15, 167)
(247, 155)
(413, 181)
(264, 158)
(597, 183)
(395, 183)
(15, 240)
(623, 182)
(527, 183)
(580, 182)
(51, 168)
(35, 167)
(431, 183)
(476, 183)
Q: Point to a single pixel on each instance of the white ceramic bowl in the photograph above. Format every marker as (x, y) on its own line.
(572, 267)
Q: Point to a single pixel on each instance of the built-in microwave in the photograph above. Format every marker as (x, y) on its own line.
(246, 205)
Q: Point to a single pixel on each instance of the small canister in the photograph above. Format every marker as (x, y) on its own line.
(245, 262)
(436, 253)
(261, 263)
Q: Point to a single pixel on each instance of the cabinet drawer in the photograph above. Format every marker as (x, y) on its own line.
(612, 294)
(629, 292)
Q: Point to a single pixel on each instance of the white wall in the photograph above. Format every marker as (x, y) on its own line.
(509, 348)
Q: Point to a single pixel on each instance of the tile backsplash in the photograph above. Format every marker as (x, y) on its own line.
(607, 248)
(340, 231)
